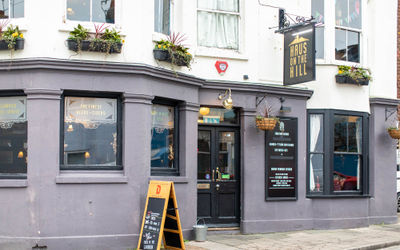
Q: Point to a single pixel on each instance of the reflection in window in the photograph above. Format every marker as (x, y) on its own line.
(101, 11)
(204, 155)
(218, 23)
(317, 11)
(90, 132)
(347, 152)
(162, 137)
(348, 28)
(13, 137)
(11, 8)
(162, 16)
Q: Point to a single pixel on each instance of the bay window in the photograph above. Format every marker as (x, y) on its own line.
(102, 11)
(13, 137)
(91, 133)
(218, 23)
(337, 152)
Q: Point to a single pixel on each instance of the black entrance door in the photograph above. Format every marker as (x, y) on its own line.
(218, 186)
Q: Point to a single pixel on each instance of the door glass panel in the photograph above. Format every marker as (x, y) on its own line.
(226, 156)
(204, 156)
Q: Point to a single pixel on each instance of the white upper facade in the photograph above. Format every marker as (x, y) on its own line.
(239, 32)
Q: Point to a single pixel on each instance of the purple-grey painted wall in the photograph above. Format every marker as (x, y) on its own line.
(103, 209)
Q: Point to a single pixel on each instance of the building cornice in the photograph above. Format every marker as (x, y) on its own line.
(384, 101)
(260, 89)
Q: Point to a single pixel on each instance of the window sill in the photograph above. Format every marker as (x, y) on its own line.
(343, 196)
(91, 177)
(69, 26)
(220, 53)
(322, 62)
(174, 179)
(13, 183)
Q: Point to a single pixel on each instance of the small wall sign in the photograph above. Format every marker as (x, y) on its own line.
(221, 67)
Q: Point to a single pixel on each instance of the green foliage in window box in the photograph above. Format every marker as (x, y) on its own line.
(353, 75)
(12, 38)
(103, 40)
(172, 50)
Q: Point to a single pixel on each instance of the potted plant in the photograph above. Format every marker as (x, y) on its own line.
(103, 40)
(353, 75)
(172, 50)
(12, 38)
(266, 121)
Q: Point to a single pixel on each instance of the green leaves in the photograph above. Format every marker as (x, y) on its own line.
(354, 72)
(79, 33)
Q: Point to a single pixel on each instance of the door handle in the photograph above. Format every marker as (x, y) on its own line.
(217, 187)
(218, 174)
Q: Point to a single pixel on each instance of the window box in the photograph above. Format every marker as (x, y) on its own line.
(165, 55)
(19, 44)
(95, 46)
(346, 79)
(394, 133)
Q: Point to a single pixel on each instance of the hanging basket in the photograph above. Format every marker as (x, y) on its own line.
(266, 123)
(394, 133)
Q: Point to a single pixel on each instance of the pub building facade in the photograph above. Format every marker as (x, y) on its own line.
(82, 134)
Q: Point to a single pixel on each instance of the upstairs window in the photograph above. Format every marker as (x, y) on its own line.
(347, 30)
(162, 14)
(101, 11)
(11, 8)
(13, 137)
(317, 10)
(218, 23)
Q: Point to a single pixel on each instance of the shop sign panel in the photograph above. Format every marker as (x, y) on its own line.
(12, 110)
(281, 161)
(93, 110)
(299, 55)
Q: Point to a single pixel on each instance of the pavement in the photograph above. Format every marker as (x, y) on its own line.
(385, 236)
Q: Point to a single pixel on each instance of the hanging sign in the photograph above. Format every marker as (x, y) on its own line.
(299, 55)
(281, 162)
(161, 218)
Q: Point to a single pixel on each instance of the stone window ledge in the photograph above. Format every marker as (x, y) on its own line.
(89, 177)
(13, 183)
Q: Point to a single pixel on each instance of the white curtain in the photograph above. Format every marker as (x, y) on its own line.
(218, 29)
(315, 127)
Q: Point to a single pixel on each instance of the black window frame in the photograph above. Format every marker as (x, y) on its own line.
(328, 154)
(116, 96)
(154, 171)
(12, 93)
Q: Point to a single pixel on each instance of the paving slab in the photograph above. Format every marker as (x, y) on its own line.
(368, 238)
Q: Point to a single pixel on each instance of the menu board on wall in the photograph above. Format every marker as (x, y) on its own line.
(281, 161)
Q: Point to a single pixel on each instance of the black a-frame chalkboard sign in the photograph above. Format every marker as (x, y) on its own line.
(161, 218)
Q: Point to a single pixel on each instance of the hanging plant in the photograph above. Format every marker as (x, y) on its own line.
(394, 132)
(172, 50)
(103, 40)
(265, 120)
